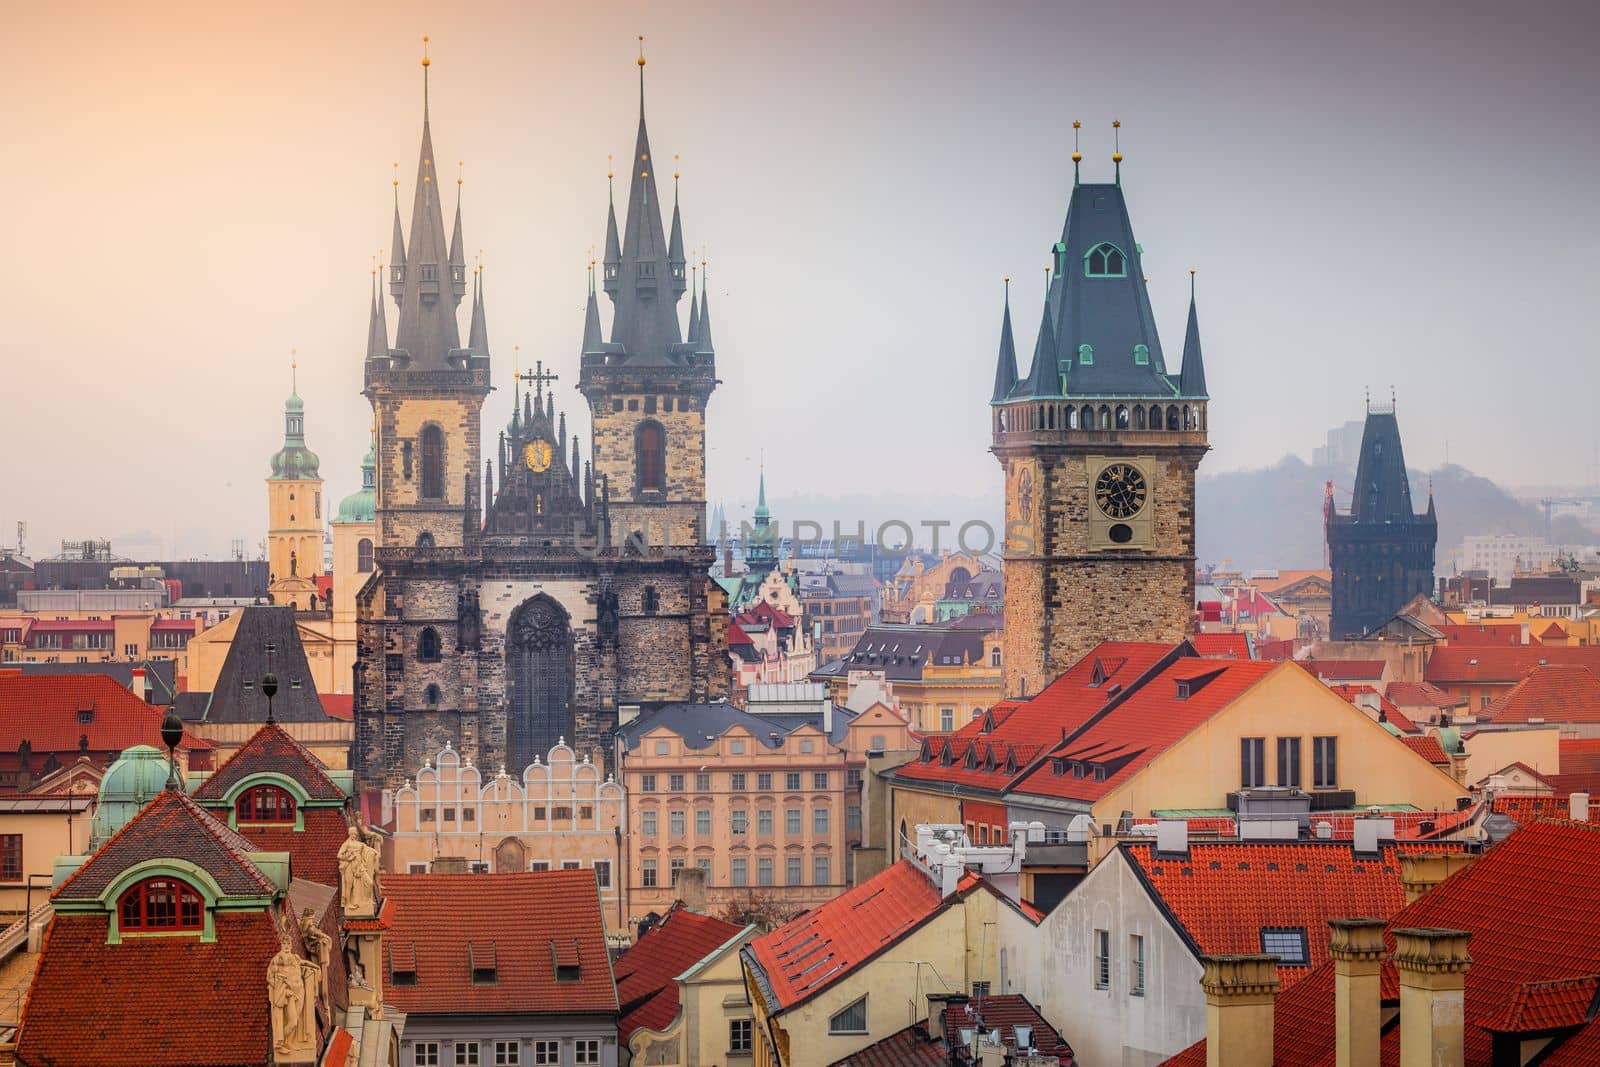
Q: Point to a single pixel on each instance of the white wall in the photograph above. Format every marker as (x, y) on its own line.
(1053, 966)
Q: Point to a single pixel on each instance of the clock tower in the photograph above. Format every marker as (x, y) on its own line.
(1099, 443)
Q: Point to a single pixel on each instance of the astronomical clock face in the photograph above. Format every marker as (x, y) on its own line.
(539, 455)
(1120, 491)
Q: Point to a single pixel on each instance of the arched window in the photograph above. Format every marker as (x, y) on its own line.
(364, 556)
(1086, 355)
(431, 694)
(424, 540)
(1122, 417)
(432, 463)
(1104, 261)
(1155, 416)
(1105, 417)
(1086, 418)
(160, 904)
(1141, 355)
(264, 803)
(1072, 418)
(1172, 418)
(1138, 417)
(652, 600)
(428, 644)
(650, 445)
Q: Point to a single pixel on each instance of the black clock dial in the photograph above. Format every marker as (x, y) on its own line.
(1120, 491)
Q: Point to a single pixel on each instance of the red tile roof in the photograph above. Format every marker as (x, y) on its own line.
(1222, 645)
(1390, 712)
(313, 851)
(1524, 810)
(1580, 754)
(341, 706)
(1004, 1013)
(1420, 695)
(1135, 731)
(171, 827)
(1544, 875)
(1426, 746)
(645, 972)
(1223, 893)
(150, 1001)
(911, 1047)
(42, 709)
(1457, 665)
(271, 749)
(737, 636)
(1279, 649)
(530, 923)
(1500, 634)
(1339, 670)
(1556, 692)
(1544, 1006)
(809, 953)
(44, 626)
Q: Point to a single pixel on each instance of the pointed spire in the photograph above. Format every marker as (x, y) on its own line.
(397, 250)
(458, 263)
(1077, 156)
(675, 257)
(593, 341)
(1005, 373)
(428, 330)
(761, 495)
(694, 307)
(478, 338)
(577, 466)
(703, 336)
(1192, 379)
(1044, 379)
(377, 327)
(613, 260)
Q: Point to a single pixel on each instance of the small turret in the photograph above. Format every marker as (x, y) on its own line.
(1192, 380)
(613, 260)
(478, 338)
(1005, 373)
(675, 258)
(1044, 379)
(458, 263)
(703, 335)
(397, 250)
(377, 326)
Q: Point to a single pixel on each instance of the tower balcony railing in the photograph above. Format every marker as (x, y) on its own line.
(1085, 420)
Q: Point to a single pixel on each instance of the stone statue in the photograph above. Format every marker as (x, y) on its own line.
(358, 872)
(318, 945)
(286, 992)
(294, 563)
(353, 966)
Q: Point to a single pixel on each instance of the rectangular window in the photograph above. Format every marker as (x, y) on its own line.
(647, 823)
(852, 1020)
(427, 1054)
(674, 868)
(675, 823)
(741, 871)
(819, 779)
(546, 1053)
(764, 821)
(1288, 943)
(791, 821)
(819, 820)
(647, 783)
(572, 865)
(702, 822)
(791, 781)
(1325, 762)
(602, 873)
(792, 874)
(852, 818)
(764, 870)
(10, 857)
(1136, 966)
(740, 1032)
(675, 783)
(538, 865)
(1102, 959)
(467, 1054)
(736, 782)
(980, 989)
(764, 782)
(647, 874)
(702, 783)
(947, 719)
(821, 871)
(586, 1051)
(704, 865)
(507, 1053)
(1252, 762)
(740, 821)
(1289, 762)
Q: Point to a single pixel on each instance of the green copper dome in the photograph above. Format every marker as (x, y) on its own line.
(132, 781)
(294, 461)
(362, 505)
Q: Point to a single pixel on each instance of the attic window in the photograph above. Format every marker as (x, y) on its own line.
(85, 716)
(1077, 769)
(1105, 261)
(160, 904)
(482, 957)
(1099, 773)
(403, 964)
(1086, 355)
(564, 956)
(1099, 676)
(1184, 690)
(1058, 766)
(1141, 355)
(248, 684)
(1288, 943)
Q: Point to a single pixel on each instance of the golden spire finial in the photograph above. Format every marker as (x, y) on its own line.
(1116, 134)
(1077, 156)
(609, 172)
(461, 166)
(396, 179)
(425, 60)
(676, 174)
(641, 50)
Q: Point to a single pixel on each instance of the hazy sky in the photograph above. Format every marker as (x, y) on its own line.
(1373, 193)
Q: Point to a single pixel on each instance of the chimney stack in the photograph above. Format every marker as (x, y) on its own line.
(1356, 946)
(692, 889)
(136, 684)
(1432, 965)
(1578, 805)
(1240, 994)
(1421, 871)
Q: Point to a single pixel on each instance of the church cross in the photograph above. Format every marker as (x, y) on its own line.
(538, 376)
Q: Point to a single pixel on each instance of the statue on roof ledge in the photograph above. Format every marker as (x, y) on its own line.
(359, 863)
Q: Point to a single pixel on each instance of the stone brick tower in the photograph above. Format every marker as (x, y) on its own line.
(294, 513)
(1099, 444)
(1381, 552)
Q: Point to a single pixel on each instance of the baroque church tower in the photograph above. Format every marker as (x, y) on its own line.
(1100, 444)
(294, 514)
(531, 599)
(1381, 552)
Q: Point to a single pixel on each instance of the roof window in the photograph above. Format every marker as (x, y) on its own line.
(1288, 943)
(1105, 260)
(482, 959)
(403, 963)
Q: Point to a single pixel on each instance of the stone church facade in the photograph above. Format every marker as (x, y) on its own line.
(1099, 444)
(524, 592)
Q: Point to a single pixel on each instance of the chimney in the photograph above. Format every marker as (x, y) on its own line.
(692, 889)
(1356, 946)
(1172, 837)
(1579, 807)
(136, 684)
(1240, 992)
(1432, 965)
(1421, 871)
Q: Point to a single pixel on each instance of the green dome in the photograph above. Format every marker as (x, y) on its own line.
(295, 463)
(1450, 739)
(132, 781)
(362, 505)
(294, 403)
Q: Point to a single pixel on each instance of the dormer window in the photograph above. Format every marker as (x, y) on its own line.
(160, 904)
(1105, 261)
(1141, 355)
(264, 804)
(1086, 356)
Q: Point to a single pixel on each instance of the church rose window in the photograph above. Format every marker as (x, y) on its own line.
(432, 463)
(161, 904)
(264, 803)
(652, 461)
(1105, 261)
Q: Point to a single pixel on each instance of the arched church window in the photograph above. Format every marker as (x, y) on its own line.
(651, 458)
(424, 540)
(1105, 417)
(432, 463)
(1122, 417)
(1155, 416)
(1105, 261)
(1086, 417)
(1086, 355)
(1138, 417)
(652, 600)
(264, 803)
(364, 556)
(1072, 418)
(428, 644)
(1141, 355)
(160, 904)
(431, 695)
(1173, 417)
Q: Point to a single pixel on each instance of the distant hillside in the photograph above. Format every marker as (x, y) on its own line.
(1273, 517)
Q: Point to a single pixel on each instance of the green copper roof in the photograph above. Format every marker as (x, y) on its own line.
(132, 780)
(362, 505)
(294, 461)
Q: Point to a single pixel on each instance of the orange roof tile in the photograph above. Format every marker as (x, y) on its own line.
(1555, 692)
(1391, 713)
(43, 710)
(1005, 1014)
(1580, 754)
(1222, 645)
(1426, 746)
(911, 1047)
(1464, 665)
(645, 973)
(271, 749)
(1545, 1006)
(1420, 695)
(1524, 810)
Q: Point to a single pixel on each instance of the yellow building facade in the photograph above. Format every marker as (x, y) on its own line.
(294, 515)
(710, 997)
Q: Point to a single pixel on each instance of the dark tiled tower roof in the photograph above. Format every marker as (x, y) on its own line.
(1005, 371)
(1044, 376)
(237, 696)
(432, 281)
(1192, 382)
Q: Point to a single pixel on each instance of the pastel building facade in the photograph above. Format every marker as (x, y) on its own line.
(563, 813)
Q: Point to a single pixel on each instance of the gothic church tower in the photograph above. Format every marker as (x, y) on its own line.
(1099, 443)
